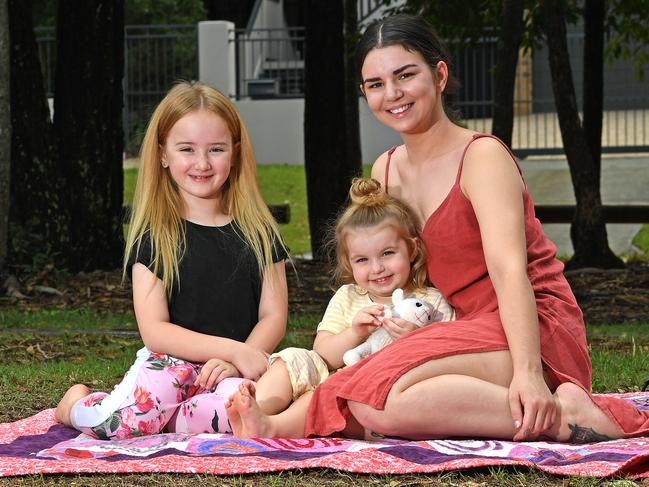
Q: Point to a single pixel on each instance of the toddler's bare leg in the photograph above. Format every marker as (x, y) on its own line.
(274, 391)
(69, 399)
(249, 421)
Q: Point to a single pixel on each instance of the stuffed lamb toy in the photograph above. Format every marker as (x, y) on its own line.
(414, 310)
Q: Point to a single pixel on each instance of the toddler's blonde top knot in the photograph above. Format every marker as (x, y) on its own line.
(366, 192)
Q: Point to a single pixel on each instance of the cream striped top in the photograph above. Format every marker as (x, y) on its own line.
(350, 299)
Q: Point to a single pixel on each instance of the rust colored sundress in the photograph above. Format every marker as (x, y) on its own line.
(456, 266)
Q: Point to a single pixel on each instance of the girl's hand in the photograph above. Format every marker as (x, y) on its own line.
(214, 371)
(367, 320)
(532, 405)
(398, 328)
(250, 361)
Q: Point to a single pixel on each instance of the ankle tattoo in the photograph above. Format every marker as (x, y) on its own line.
(579, 434)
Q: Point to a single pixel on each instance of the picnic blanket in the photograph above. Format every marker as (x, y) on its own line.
(39, 445)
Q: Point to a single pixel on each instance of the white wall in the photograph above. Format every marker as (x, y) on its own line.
(276, 129)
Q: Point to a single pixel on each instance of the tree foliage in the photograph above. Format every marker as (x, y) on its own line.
(628, 27)
(136, 12)
(144, 12)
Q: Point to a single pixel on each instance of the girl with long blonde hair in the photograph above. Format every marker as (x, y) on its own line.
(207, 267)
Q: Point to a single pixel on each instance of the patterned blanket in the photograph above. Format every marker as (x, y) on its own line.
(38, 445)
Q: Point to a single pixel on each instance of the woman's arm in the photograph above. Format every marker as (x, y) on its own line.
(491, 181)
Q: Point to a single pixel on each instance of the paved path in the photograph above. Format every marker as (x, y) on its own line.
(625, 179)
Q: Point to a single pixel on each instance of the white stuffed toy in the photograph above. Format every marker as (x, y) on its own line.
(414, 310)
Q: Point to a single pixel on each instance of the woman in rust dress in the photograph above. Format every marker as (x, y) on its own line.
(515, 364)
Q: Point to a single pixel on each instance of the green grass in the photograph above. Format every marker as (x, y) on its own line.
(130, 176)
(65, 320)
(287, 184)
(492, 476)
(278, 184)
(641, 240)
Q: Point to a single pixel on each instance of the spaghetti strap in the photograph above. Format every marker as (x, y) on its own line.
(480, 136)
(387, 168)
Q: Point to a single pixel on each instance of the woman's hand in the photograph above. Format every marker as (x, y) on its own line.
(367, 320)
(398, 328)
(214, 371)
(250, 361)
(532, 406)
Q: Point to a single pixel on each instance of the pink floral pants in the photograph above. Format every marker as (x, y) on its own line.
(156, 394)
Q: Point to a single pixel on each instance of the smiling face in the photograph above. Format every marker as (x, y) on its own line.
(198, 153)
(401, 89)
(380, 260)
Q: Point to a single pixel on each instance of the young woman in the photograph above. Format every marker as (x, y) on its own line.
(515, 365)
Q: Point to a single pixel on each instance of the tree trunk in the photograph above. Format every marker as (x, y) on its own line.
(5, 131)
(509, 42)
(37, 221)
(588, 231)
(88, 125)
(593, 96)
(331, 134)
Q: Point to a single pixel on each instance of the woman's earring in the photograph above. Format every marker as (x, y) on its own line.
(164, 164)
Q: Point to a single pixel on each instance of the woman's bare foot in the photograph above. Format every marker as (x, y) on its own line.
(72, 395)
(579, 419)
(246, 418)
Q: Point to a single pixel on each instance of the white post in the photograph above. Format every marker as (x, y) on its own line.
(216, 62)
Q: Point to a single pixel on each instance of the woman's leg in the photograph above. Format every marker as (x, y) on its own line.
(467, 395)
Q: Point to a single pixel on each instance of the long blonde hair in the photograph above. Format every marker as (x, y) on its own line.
(157, 205)
(370, 206)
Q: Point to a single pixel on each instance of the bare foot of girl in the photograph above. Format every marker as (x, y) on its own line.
(579, 419)
(72, 395)
(233, 416)
(246, 418)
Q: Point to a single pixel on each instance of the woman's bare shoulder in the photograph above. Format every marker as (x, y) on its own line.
(378, 168)
(487, 148)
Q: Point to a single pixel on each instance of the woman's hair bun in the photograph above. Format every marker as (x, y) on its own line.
(366, 192)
